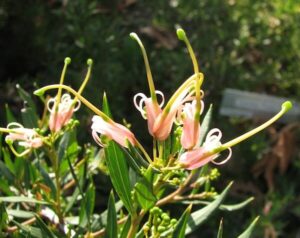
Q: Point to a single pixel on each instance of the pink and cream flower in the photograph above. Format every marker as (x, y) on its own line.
(198, 157)
(27, 138)
(112, 130)
(61, 114)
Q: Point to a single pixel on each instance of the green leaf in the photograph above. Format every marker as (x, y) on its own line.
(224, 207)
(6, 173)
(3, 216)
(132, 162)
(201, 215)
(220, 231)
(126, 228)
(179, 230)
(20, 213)
(247, 233)
(8, 162)
(16, 199)
(87, 206)
(137, 156)
(118, 171)
(29, 118)
(144, 190)
(31, 231)
(27, 98)
(105, 106)
(101, 221)
(9, 116)
(112, 226)
(46, 231)
(205, 126)
(46, 179)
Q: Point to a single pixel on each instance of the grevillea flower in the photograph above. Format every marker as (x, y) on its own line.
(149, 109)
(27, 138)
(63, 114)
(112, 130)
(191, 126)
(198, 157)
(212, 146)
(164, 122)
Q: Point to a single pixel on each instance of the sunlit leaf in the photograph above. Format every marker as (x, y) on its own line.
(118, 171)
(247, 233)
(220, 231)
(144, 190)
(198, 217)
(179, 231)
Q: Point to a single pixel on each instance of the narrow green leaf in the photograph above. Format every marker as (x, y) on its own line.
(112, 226)
(137, 156)
(205, 125)
(126, 228)
(144, 190)
(29, 118)
(8, 162)
(46, 231)
(3, 216)
(105, 106)
(31, 231)
(224, 207)
(27, 98)
(220, 231)
(6, 173)
(101, 221)
(132, 162)
(9, 115)
(16, 199)
(46, 179)
(20, 213)
(247, 233)
(118, 171)
(201, 215)
(179, 230)
(87, 206)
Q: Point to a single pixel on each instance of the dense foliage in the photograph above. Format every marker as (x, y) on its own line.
(250, 45)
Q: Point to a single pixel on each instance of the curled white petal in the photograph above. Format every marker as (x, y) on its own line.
(50, 104)
(157, 92)
(14, 125)
(139, 105)
(225, 160)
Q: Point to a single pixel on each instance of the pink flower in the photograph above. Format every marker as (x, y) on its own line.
(191, 128)
(27, 138)
(164, 122)
(61, 116)
(112, 130)
(148, 108)
(198, 157)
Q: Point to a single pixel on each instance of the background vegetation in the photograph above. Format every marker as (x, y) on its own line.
(250, 45)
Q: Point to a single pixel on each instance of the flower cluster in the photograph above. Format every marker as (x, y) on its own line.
(183, 110)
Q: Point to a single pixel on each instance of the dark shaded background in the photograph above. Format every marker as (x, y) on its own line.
(249, 45)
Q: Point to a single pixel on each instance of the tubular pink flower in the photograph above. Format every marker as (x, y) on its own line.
(112, 130)
(198, 157)
(61, 116)
(191, 128)
(149, 109)
(28, 138)
(164, 122)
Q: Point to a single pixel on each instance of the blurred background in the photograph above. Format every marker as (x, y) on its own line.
(250, 45)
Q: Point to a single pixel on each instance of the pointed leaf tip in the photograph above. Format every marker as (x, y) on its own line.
(181, 34)
(286, 106)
